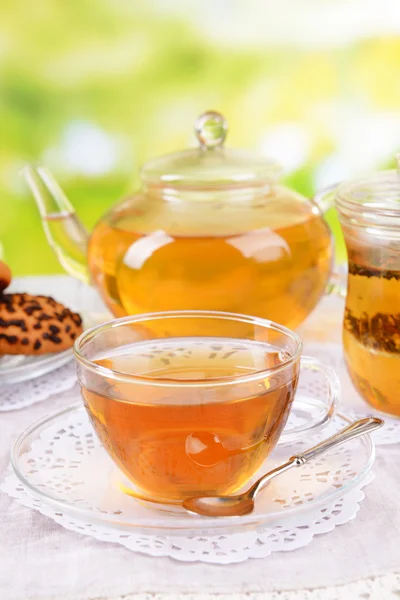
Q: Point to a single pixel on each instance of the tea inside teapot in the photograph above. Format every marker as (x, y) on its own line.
(271, 259)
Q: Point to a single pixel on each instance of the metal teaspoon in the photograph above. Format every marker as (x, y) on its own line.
(242, 504)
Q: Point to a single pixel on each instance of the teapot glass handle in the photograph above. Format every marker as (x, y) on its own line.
(325, 200)
(337, 283)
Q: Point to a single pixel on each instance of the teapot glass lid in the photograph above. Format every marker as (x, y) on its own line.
(210, 164)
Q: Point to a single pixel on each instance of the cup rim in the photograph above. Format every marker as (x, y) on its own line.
(89, 334)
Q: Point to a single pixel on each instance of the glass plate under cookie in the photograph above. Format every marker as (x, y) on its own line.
(61, 463)
(15, 368)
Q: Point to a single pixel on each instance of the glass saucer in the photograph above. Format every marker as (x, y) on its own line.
(61, 463)
(15, 368)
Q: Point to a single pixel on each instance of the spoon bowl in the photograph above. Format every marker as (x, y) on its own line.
(224, 506)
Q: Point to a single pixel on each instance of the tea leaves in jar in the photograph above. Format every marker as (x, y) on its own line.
(371, 334)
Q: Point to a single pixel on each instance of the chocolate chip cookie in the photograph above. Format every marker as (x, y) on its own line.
(36, 325)
(5, 276)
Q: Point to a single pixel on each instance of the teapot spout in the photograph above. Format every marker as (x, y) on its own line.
(64, 231)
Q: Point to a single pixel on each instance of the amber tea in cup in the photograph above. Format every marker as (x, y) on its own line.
(192, 413)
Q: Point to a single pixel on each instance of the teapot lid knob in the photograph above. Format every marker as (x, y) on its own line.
(211, 129)
(210, 164)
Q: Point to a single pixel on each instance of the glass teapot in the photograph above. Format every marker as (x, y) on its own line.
(211, 229)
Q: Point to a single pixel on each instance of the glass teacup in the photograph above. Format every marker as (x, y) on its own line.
(191, 403)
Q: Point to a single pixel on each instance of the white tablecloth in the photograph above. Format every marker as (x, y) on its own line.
(39, 560)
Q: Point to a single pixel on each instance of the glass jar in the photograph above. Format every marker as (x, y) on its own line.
(369, 212)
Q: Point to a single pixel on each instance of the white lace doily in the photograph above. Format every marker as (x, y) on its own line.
(352, 403)
(218, 549)
(20, 395)
(68, 461)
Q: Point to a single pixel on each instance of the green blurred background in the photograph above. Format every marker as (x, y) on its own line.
(94, 88)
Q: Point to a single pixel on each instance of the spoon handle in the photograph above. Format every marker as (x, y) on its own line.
(360, 427)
